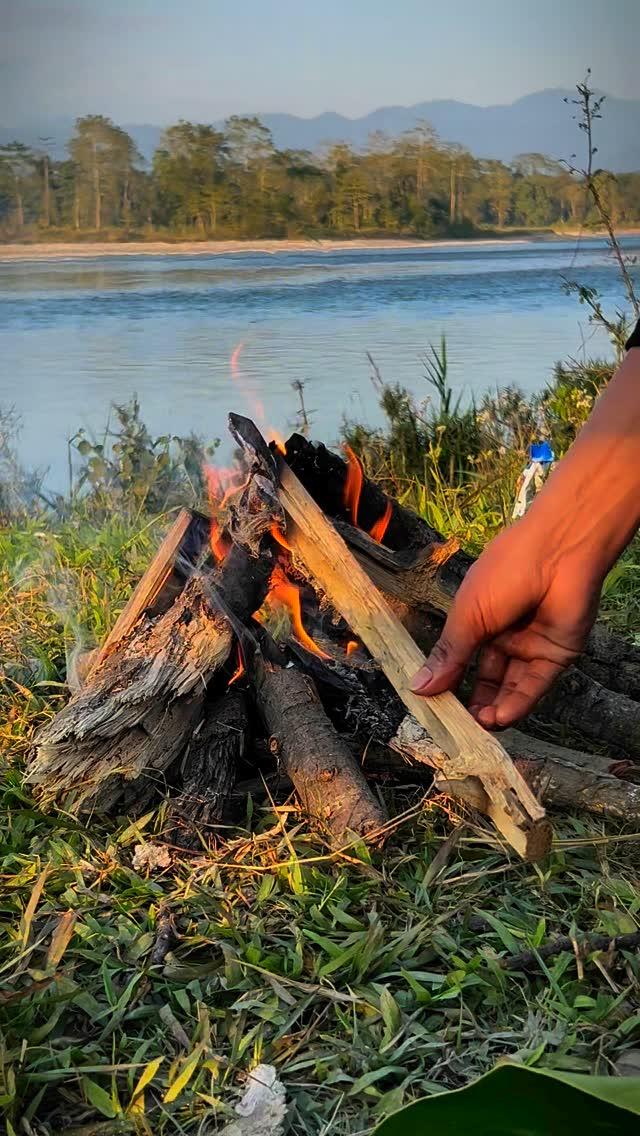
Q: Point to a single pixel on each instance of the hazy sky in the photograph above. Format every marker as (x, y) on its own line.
(157, 60)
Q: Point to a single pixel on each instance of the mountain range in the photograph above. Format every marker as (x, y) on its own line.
(538, 123)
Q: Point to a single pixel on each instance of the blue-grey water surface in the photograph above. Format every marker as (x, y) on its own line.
(80, 334)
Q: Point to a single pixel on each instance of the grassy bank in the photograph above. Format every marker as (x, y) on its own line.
(357, 974)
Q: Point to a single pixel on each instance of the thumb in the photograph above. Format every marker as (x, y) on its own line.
(449, 657)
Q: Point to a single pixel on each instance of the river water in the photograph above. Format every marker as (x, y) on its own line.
(196, 336)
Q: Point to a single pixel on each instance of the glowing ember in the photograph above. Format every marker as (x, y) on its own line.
(440, 553)
(380, 527)
(352, 646)
(240, 669)
(279, 537)
(353, 484)
(283, 592)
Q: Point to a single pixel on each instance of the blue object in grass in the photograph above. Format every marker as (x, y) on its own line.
(541, 452)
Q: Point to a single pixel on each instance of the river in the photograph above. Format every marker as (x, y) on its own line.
(195, 337)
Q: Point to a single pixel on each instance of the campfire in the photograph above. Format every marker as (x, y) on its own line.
(281, 633)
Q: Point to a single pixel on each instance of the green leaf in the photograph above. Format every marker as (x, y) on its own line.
(99, 1098)
(513, 1100)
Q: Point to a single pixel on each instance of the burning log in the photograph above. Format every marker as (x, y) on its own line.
(105, 746)
(470, 750)
(160, 714)
(419, 568)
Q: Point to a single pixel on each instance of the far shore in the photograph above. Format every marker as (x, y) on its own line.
(42, 250)
(77, 250)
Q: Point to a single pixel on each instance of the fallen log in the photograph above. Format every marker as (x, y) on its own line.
(468, 747)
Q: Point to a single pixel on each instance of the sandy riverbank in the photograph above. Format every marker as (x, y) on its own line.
(70, 250)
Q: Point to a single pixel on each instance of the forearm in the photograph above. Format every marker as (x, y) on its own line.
(590, 507)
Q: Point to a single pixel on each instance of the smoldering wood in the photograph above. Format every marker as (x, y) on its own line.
(208, 769)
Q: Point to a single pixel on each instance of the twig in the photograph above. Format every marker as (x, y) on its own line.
(592, 941)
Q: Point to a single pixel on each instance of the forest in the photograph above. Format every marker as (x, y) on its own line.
(203, 182)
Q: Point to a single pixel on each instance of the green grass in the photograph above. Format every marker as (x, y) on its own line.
(357, 973)
(357, 976)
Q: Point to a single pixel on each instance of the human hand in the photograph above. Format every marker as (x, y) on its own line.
(530, 608)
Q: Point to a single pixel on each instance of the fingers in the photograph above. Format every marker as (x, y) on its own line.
(446, 664)
(523, 684)
(491, 671)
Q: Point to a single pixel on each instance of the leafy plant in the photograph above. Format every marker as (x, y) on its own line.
(514, 1100)
(131, 470)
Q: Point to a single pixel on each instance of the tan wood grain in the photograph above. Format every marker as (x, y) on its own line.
(469, 750)
(150, 586)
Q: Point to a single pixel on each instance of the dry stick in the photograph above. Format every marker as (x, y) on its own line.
(470, 750)
(530, 960)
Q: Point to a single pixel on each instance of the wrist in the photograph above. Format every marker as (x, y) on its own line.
(586, 515)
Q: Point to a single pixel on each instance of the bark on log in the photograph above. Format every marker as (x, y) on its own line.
(208, 769)
(589, 709)
(329, 783)
(468, 747)
(106, 736)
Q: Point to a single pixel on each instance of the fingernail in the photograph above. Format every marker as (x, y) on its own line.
(421, 679)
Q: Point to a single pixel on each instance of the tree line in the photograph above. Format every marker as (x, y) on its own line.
(234, 183)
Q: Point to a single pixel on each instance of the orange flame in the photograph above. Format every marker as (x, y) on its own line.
(282, 591)
(352, 646)
(279, 537)
(240, 669)
(234, 361)
(279, 441)
(380, 527)
(220, 544)
(353, 484)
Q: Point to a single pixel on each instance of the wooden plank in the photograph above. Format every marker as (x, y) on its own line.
(469, 749)
(150, 586)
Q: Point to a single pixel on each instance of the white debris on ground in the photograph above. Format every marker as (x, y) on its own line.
(263, 1107)
(150, 856)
